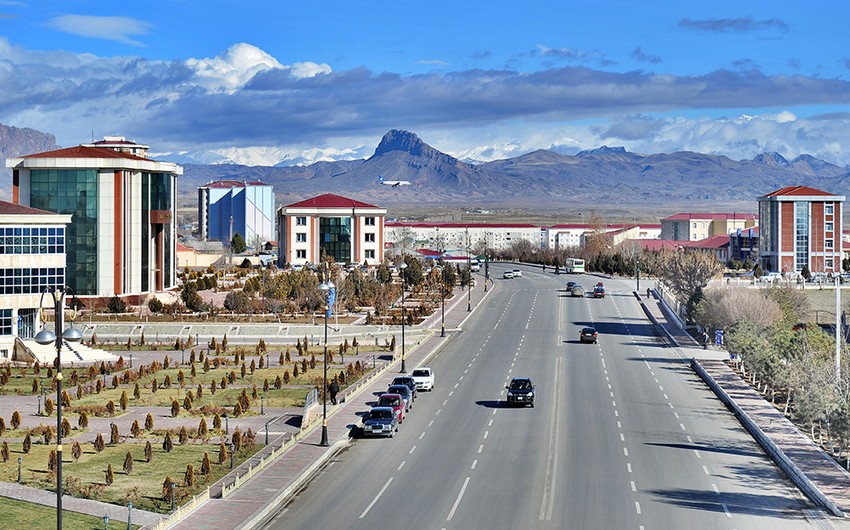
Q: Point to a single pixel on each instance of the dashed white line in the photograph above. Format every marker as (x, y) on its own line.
(422, 435)
(626, 451)
(401, 465)
(378, 496)
(438, 412)
(412, 449)
(457, 501)
(445, 401)
(634, 486)
(474, 463)
(490, 423)
(486, 434)
(697, 453)
(715, 488)
(682, 425)
(629, 467)
(707, 472)
(430, 423)
(725, 509)
(480, 448)
(622, 437)
(637, 507)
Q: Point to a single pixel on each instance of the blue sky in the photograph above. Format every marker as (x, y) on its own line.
(485, 80)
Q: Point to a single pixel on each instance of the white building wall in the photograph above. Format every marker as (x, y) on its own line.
(105, 232)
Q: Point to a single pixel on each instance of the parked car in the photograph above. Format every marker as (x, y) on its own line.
(424, 378)
(578, 291)
(517, 273)
(405, 393)
(395, 402)
(570, 286)
(508, 275)
(520, 391)
(408, 381)
(380, 421)
(588, 334)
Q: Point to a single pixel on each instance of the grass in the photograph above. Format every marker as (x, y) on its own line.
(21, 515)
(87, 477)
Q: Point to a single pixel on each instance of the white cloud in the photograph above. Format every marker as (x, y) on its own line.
(119, 29)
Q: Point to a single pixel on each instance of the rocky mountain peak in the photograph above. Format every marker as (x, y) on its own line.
(405, 141)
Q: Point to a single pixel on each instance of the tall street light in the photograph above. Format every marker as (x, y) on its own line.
(330, 288)
(469, 273)
(442, 285)
(637, 260)
(402, 268)
(45, 337)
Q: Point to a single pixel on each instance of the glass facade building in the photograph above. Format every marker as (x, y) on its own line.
(335, 238)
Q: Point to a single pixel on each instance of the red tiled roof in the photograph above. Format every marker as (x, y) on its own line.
(713, 242)
(659, 244)
(183, 248)
(799, 191)
(10, 208)
(329, 200)
(85, 152)
(688, 216)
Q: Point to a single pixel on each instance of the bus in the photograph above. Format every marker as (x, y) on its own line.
(574, 266)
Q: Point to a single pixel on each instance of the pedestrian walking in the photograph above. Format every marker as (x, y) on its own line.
(333, 389)
(704, 340)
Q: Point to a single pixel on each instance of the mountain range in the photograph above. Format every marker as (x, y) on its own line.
(608, 176)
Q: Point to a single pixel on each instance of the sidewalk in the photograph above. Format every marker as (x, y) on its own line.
(259, 497)
(817, 466)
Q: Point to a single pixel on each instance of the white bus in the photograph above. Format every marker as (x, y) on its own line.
(574, 266)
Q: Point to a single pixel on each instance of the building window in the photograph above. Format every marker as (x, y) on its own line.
(828, 209)
(828, 227)
(828, 263)
(369, 238)
(301, 237)
(828, 243)
(335, 238)
(370, 254)
(801, 236)
(301, 254)
(5, 322)
(300, 221)
(32, 240)
(369, 221)
(31, 281)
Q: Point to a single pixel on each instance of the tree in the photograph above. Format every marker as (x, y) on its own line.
(48, 407)
(135, 429)
(124, 400)
(16, 420)
(237, 244)
(687, 271)
(76, 450)
(116, 305)
(114, 438)
(4, 451)
(83, 420)
(203, 430)
(148, 422)
(167, 444)
(128, 463)
(98, 443)
(110, 476)
(189, 478)
(66, 427)
(148, 451)
(206, 465)
(183, 436)
(175, 408)
(27, 444)
(222, 453)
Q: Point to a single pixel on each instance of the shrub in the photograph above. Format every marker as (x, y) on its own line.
(48, 406)
(166, 488)
(203, 430)
(183, 437)
(236, 439)
(167, 444)
(206, 465)
(148, 451)
(136, 391)
(189, 478)
(83, 420)
(4, 451)
(51, 461)
(187, 403)
(175, 408)
(128, 463)
(148, 422)
(116, 305)
(66, 399)
(76, 450)
(27, 444)
(155, 305)
(110, 476)
(217, 422)
(124, 400)
(113, 435)
(110, 407)
(222, 453)
(135, 429)
(98, 443)
(66, 427)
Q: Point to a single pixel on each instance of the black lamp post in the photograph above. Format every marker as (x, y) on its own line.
(44, 337)
(469, 273)
(402, 266)
(637, 260)
(325, 286)
(443, 302)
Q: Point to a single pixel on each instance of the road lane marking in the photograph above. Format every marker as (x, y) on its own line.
(474, 463)
(674, 414)
(480, 448)
(625, 451)
(378, 496)
(445, 401)
(412, 449)
(552, 458)
(665, 396)
(716, 489)
(637, 507)
(486, 434)
(457, 501)
(629, 467)
(682, 425)
(725, 509)
(634, 486)
(619, 425)
(422, 435)
(622, 436)
(401, 465)
(450, 393)
(697, 453)
(490, 423)
(617, 414)
(690, 440)
(705, 468)
(437, 413)
(430, 423)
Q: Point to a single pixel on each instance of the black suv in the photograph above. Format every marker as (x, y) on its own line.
(407, 381)
(521, 391)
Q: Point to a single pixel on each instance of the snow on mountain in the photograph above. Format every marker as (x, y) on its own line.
(264, 156)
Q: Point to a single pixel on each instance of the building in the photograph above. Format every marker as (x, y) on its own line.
(744, 244)
(121, 239)
(32, 261)
(564, 236)
(230, 207)
(457, 237)
(344, 229)
(697, 226)
(800, 227)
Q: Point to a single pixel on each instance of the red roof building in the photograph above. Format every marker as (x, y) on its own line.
(697, 226)
(800, 227)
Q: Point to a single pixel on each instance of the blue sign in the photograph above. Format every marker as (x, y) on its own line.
(331, 300)
(718, 337)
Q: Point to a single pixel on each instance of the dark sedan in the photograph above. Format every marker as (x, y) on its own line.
(380, 421)
(521, 392)
(588, 335)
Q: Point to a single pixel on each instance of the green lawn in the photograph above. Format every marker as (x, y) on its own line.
(21, 515)
(143, 486)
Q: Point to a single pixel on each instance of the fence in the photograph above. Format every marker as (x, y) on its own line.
(182, 511)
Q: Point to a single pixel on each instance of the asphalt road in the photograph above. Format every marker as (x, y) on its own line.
(622, 436)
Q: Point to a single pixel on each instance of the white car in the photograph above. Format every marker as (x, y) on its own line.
(508, 275)
(517, 273)
(423, 377)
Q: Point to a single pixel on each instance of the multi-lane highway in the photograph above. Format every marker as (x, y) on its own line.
(623, 435)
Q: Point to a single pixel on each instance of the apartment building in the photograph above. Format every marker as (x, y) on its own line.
(230, 207)
(697, 226)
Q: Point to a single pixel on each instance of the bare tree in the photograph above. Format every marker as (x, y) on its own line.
(723, 307)
(686, 272)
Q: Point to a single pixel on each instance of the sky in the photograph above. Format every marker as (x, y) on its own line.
(479, 80)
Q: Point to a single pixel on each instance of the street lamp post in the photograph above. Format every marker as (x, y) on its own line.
(329, 287)
(44, 337)
(443, 302)
(638, 275)
(469, 273)
(402, 267)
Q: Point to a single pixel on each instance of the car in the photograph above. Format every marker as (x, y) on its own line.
(508, 275)
(474, 265)
(405, 393)
(588, 334)
(517, 273)
(599, 292)
(424, 378)
(380, 421)
(570, 286)
(577, 291)
(297, 267)
(409, 382)
(520, 392)
(395, 402)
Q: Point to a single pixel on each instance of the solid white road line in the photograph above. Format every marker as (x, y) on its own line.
(457, 501)
(552, 459)
(378, 496)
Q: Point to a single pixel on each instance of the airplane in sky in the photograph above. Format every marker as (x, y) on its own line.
(393, 183)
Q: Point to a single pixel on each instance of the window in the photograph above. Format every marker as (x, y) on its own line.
(301, 254)
(369, 221)
(369, 238)
(370, 254)
(35, 240)
(828, 263)
(828, 243)
(828, 209)
(5, 322)
(301, 237)
(828, 227)
(301, 221)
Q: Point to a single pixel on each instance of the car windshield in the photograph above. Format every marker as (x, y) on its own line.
(420, 373)
(399, 389)
(589, 330)
(380, 414)
(388, 402)
(523, 384)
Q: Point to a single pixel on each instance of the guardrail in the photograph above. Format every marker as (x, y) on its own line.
(265, 460)
(778, 455)
(183, 510)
